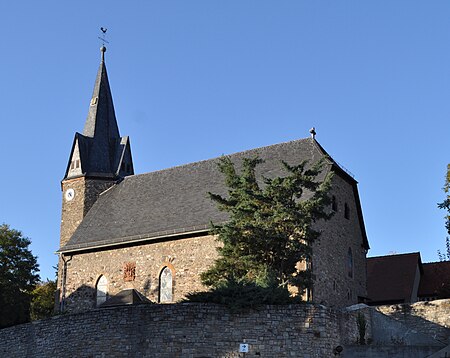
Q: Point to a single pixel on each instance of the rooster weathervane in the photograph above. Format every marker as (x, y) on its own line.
(103, 39)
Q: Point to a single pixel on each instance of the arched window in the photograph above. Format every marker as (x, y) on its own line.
(350, 262)
(165, 286)
(346, 211)
(102, 290)
(334, 203)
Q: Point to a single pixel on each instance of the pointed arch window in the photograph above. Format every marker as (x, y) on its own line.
(350, 263)
(346, 211)
(165, 286)
(102, 290)
(334, 204)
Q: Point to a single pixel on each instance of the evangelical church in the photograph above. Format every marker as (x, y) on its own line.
(149, 234)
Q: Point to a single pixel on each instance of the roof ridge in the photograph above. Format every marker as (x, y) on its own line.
(215, 158)
(437, 262)
(393, 255)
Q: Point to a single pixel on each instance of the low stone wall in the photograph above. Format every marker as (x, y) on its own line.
(194, 330)
(178, 330)
(431, 318)
(348, 322)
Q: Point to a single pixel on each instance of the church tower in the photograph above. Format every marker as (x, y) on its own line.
(98, 159)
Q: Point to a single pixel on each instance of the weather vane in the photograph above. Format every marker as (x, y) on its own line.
(102, 29)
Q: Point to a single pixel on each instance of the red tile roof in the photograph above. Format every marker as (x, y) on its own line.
(435, 280)
(391, 278)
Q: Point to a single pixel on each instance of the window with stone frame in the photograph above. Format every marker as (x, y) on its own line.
(334, 205)
(101, 290)
(346, 211)
(350, 263)
(166, 286)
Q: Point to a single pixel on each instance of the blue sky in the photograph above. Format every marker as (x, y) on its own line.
(193, 80)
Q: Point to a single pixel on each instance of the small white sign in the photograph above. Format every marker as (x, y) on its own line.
(243, 348)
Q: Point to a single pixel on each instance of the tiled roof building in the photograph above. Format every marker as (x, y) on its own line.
(393, 278)
(404, 278)
(435, 281)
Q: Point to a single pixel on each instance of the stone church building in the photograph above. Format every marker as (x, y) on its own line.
(150, 232)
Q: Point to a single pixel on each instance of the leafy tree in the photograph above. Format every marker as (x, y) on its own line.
(270, 230)
(43, 300)
(446, 255)
(18, 276)
(446, 206)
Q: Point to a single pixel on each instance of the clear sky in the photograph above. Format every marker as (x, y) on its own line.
(193, 80)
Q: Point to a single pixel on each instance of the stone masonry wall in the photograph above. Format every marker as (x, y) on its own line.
(333, 286)
(432, 318)
(179, 330)
(349, 324)
(420, 323)
(187, 258)
(73, 211)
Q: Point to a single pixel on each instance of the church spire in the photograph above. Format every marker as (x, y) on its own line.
(101, 120)
(100, 151)
(99, 157)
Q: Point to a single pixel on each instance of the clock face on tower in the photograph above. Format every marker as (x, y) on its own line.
(70, 194)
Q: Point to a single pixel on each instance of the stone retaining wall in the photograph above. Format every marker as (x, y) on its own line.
(194, 330)
(178, 330)
(432, 318)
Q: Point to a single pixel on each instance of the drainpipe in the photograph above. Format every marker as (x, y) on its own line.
(63, 281)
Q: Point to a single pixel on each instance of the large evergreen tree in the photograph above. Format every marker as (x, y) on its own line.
(18, 276)
(270, 228)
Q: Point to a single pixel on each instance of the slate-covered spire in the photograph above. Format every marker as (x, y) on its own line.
(100, 151)
(101, 121)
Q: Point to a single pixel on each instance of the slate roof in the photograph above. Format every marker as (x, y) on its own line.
(101, 120)
(126, 297)
(175, 200)
(435, 280)
(101, 146)
(391, 278)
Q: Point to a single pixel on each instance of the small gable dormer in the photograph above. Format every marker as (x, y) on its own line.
(74, 168)
(125, 163)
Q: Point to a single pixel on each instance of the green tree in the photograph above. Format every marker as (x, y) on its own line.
(270, 230)
(446, 206)
(43, 300)
(18, 276)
